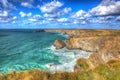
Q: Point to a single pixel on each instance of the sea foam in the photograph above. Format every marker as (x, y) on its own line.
(67, 59)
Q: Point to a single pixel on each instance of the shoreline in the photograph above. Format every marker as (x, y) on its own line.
(103, 54)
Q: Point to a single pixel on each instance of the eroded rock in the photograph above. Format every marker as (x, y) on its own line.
(59, 44)
(89, 44)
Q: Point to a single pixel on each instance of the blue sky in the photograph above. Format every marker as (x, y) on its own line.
(60, 14)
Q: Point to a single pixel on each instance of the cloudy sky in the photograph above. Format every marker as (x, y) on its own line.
(60, 14)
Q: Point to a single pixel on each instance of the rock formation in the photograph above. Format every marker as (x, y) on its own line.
(59, 44)
(104, 44)
(85, 43)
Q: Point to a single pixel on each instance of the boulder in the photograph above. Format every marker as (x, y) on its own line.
(59, 44)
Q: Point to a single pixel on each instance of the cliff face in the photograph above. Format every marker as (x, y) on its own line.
(86, 43)
(104, 44)
(109, 50)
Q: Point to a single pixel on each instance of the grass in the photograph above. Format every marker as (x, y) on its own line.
(109, 71)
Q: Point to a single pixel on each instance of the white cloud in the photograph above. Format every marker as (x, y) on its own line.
(107, 7)
(35, 18)
(63, 20)
(50, 15)
(118, 18)
(32, 20)
(22, 14)
(53, 10)
(3, 14)
(7, 5)
(51, 7)
(109, 17)
(27, 5)
(14, 18)
(81, 15)
(65, 11)
(5, 17)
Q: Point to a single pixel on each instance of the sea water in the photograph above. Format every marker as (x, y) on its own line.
(27, 50)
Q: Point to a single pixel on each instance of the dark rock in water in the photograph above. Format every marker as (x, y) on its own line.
(41, 30)
(59, 44)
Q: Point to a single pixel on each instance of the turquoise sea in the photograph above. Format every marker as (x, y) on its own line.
(22, 50)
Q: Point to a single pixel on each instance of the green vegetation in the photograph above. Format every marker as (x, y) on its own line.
(109, 71)
(82, 64)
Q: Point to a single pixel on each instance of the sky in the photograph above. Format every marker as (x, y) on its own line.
(60, 14)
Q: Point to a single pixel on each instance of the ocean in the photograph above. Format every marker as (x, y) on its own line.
(22, 50)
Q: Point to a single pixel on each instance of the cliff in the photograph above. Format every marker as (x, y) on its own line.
(86, 33)
(104, 44)
(108, 48)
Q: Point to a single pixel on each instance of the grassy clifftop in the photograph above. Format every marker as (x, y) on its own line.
(108, 71)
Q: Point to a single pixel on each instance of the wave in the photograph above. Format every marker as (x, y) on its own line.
(67, 59)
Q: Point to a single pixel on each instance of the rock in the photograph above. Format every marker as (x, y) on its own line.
(59, 44)
(89, 44)
(109, 49)
(41, 30)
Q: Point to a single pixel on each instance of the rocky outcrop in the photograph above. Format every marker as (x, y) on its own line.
(86, 43)
(104, 44)
(59, 44)
(41, 30)
(109, 49)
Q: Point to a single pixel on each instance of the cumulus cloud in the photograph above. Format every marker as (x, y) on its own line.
(14, 18)
(118, 18)
(35, 18)
(53, 10)
(109, 17)
(6, 5)
(6, 17)
(51, 7)
(81, 15)
(22, 14)
(3, 14)
(65, 11)
(107, 7)
(61, 20)
(27, 5)
(79, 21)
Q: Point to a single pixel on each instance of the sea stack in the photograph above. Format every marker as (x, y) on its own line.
(59, 44)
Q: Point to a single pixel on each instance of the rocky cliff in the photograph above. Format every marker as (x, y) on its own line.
(104, 44)
(86, 33)
(108, 49)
